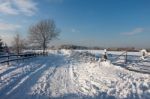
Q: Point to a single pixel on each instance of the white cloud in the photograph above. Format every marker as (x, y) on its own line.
(6, 8)
(15, 7)
(27, 7)
(9, 27)
(134, 32)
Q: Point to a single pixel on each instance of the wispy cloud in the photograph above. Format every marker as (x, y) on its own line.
(27, 7)
(9, 27)
(15, 7)
(6, 8)
(74, 30)
(134, 32)
(55, 1)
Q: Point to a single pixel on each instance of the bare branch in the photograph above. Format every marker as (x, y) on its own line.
(18, 43)
(43, 32)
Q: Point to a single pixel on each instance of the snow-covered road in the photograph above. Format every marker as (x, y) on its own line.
(17, 80)
(72, 76)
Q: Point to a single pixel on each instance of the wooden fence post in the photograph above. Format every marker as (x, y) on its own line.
(8, 60)
(126, 57)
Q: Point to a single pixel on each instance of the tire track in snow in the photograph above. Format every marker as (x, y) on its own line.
(24, 79)
(26, 82)
(42, 84)
(13, 84)
(12, 69)
(7, 71)
(15, 67)
(5, 76)
(54, 82)
(17, 79)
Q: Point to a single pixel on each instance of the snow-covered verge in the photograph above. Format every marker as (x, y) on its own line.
(69, 74)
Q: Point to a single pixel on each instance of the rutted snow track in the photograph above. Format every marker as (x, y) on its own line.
(19, 80)
(71, 76)
(54, 81)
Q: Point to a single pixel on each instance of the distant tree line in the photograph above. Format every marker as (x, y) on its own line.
(72, 47)
(79, 47)
(129, 49)
(76, 47)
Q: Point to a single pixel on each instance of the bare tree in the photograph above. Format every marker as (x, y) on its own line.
(43, 32)
(18, 43)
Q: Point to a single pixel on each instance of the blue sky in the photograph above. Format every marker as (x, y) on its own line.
(105, 23)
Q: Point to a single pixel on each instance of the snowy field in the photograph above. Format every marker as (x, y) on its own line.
(76, 74)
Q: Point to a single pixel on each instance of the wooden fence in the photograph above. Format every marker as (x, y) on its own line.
(9, 58)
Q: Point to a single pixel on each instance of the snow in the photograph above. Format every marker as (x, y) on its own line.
(75, 74)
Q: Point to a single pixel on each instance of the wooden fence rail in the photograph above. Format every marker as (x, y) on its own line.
(8, 58)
